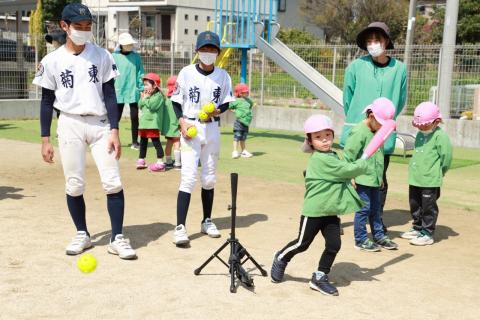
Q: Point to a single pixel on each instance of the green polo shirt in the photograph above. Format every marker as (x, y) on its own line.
(431, 159)
(329, 191)
(357, 141)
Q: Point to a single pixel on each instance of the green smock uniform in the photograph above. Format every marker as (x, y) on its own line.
(152, 111)
(364, 82)
(329, 191)
(431, 159)
(170, 125)
(243, 110)
(357, 141)
(129, 84)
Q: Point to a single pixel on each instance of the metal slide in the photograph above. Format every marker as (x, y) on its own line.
(304, 73)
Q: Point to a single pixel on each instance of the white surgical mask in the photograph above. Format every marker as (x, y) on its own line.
(80, 37)
(375, 49)
(207, 58)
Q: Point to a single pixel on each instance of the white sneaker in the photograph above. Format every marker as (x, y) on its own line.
(121, 247)
(180, 235)
(422, 240)
(79, 243)
(410, 234)
(246, 154)
(208, 227)
(235, 154)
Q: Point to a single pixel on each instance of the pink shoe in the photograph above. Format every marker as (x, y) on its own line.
(156, 167)
(141, 164)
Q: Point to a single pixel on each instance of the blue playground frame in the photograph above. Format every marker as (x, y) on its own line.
(234, 23)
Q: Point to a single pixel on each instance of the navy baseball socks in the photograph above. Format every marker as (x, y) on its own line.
(208, 227)
(81, 241)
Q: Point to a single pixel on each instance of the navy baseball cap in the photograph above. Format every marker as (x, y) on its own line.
(75, 12)
(208, 38)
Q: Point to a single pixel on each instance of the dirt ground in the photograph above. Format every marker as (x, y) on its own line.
(38, 281)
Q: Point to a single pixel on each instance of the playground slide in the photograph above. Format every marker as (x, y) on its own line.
(291, 63)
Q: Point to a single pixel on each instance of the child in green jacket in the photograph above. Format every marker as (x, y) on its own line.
(328, 194)
(368, 185)
(151, 104)
(242, 106)
(430, 161)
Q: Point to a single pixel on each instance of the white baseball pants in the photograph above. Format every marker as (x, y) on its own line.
(75, 133)
(204, 147)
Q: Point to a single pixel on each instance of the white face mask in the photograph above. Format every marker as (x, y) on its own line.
(207, 58)
(80, 37)
(375, 49)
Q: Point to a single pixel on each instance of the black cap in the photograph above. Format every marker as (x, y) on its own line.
(208, 38)
(58, 35)
(75, 12)
(374, 26)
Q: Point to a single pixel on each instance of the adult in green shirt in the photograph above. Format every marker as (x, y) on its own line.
(129, 84)
(372, 76)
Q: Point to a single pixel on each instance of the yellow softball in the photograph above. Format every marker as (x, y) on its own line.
(202, 115)
(209, 107)
(87, 263)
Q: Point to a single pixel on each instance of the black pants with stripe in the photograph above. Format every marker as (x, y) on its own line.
(309, 228)
(423, 207)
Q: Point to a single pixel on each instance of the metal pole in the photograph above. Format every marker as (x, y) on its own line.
(448, 56)
(334, 63)
(250, 62)
(172, 58)
(243, 66)
(98, 23)
(262, 79)
(36, 61)
(410, 31)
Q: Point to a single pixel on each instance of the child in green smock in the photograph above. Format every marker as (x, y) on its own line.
(242, 106)
(329, 193)
(430, 161)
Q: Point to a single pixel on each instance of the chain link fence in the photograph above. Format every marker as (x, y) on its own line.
(269, 84)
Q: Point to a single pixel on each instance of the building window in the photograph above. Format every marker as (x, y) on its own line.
(185, 31)
(186, 17)
(196, 18)
(208, 18)
(196, 32)
(282, 5)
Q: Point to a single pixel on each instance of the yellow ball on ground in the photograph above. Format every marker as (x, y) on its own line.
(192, 132)
(87, 263)
(202, 115)
(209, 107)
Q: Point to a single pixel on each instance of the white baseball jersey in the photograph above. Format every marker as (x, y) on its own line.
(77, 79)
(194, 89)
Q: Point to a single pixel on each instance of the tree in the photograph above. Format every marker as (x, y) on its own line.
(293, 35)
(53, 9)
(343, 19)
(36, 29)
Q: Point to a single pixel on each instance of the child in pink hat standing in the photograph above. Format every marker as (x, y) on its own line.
(430, 161)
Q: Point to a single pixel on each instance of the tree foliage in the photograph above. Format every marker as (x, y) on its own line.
(343, 19)
(36, 28)
(293, 35)
(53, 8)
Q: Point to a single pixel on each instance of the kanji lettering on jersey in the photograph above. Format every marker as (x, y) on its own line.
(194, 94)
(67, 78)
(216, 94)
(92, 72)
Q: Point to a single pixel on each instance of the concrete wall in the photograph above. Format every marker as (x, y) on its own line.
(463, 133)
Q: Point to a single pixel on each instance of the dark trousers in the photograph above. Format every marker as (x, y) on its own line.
(384, 189)
(309, 228)
(133, 119)
(156, 144)
(423, 207)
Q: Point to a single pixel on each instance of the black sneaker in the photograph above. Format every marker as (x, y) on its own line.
(278, 269)
(386, 243)
(169, 165)
(320, 283)
(367, 245)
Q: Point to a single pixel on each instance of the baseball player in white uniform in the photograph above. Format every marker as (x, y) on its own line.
(197, 85)
(78, 80)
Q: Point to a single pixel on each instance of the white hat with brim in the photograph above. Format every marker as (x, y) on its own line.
(125, 39)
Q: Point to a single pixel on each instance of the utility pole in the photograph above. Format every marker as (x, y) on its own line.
(447, 57)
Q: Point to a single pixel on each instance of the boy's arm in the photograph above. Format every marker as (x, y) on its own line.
(334, 169)
(353, 147)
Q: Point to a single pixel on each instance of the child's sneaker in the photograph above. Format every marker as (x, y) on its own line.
(208, 227)
(387, 243)
(141, 164)
(135, 146)
(169, 165)
(180, 236)
(278, 268)
(246, 154)
(156, 167)
(80, 243)
(177, 166)
(410, 234)
(121, 247)
(320, 283)
(422, 240)
(235, 155)
(367, 245)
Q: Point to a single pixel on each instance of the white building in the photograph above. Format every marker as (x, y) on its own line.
(179, 21)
